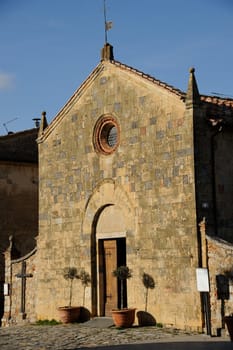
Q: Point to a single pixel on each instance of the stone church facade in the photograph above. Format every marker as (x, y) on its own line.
(133, 171)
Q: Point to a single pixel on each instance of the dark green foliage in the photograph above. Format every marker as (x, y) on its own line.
(71, 273)
(122, 272)
(159, 325)
(47, 322)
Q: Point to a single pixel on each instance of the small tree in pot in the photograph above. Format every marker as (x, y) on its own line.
(85, 278)
(123, 317)
(69, 314)
(70, 274)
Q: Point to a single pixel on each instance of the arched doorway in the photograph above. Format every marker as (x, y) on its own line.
(110, 215)
(109, 248)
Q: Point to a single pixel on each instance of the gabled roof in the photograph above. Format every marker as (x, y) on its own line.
(92, 76)
(148, 77)
(19, 147)
(107, 56)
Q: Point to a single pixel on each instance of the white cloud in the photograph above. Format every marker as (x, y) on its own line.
(6, 81)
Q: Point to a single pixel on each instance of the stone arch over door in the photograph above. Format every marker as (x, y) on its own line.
(107, 199)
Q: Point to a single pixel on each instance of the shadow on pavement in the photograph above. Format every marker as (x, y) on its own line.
(168, 346)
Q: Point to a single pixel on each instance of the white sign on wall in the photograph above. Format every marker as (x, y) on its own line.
(6, 288)
(203, 284)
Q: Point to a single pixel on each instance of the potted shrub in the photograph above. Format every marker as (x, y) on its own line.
(69, 313)
(123, 317)
(85, 278)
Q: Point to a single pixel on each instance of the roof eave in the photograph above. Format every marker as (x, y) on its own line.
(69, 103)
(180, 94)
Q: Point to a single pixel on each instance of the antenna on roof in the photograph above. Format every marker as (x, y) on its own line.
(218, 94)
(9, 121)
(107, 25)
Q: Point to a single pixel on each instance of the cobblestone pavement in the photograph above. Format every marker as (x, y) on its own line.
(79, 336)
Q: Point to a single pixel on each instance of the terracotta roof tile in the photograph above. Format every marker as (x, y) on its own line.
(228, 102)
(178, 92)
(212, 100)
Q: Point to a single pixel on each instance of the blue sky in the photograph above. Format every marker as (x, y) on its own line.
(48, 47)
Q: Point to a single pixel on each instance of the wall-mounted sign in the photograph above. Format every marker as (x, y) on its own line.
(6, 289)
(203, 284)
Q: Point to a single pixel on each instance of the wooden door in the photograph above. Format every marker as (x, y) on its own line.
(112, 253)
(110, 264)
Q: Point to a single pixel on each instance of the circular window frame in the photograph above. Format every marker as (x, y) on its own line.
(101, 134)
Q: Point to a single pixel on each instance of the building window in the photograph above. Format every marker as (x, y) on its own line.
(106, 135)
(112, 136)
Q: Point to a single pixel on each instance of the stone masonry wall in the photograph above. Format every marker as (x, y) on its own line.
(152, 179)
(220, 261)
(13, 314)
(18, 211)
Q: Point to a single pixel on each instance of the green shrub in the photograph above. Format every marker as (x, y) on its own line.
(47, 322)
(159, 325)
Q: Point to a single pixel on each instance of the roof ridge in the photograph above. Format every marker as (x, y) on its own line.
(182, 94)
(149, 77)
(76, 93)
(17, 133)
(217, 100)
(96, 70)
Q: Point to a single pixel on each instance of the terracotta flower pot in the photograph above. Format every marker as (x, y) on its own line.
(229, 322)
(123, 318)
(69, 314)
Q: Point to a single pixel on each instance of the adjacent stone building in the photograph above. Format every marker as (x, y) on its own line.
(18, 197)
(134, 171)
